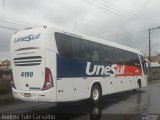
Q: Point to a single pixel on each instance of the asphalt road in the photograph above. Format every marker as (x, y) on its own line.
(143, 105)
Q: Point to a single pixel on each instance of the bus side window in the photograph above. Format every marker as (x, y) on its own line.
(59, 42)
(67, 47)
(76, 48)
(90, 51)
(106, 54)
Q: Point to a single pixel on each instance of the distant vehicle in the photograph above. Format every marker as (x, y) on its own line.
(53, 65)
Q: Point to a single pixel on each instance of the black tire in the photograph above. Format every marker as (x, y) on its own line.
(96, 94)
(139, 85)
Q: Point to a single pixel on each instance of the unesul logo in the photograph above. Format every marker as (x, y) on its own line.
(27, 38)
(112, 70)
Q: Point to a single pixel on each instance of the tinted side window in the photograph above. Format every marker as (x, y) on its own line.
(79, 49)
(132, 59)
(59, 41)
(76, 48)
(90, 51)
(107, 54)
(137, 61)
(68, 46)
(119, 56)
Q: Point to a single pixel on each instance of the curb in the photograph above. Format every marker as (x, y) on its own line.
(153, 81)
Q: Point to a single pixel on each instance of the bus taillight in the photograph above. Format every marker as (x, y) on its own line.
(48, 82)
(12, 82)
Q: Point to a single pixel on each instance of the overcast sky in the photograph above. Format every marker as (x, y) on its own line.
(122, 21)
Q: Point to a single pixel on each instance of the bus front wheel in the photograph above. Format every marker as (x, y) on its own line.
(96, 93)
(139, 85)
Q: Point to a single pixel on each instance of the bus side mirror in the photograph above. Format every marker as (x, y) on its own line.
(147, 67)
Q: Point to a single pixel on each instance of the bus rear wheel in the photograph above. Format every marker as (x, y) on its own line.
(96, 93)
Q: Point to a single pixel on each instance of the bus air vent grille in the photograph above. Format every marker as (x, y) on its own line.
(28, 61)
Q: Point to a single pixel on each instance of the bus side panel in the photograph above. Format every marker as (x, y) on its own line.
(143, 80)
(110, 85)
(119, 84)
(51, 64)
(80, 88)
(64, 89)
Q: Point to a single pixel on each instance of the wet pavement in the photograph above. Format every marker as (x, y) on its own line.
(143, 105)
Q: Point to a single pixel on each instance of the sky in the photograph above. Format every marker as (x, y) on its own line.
(122, 21)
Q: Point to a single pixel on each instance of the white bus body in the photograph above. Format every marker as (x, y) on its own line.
(42, 72)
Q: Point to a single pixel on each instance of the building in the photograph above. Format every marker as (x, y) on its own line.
(156, 58)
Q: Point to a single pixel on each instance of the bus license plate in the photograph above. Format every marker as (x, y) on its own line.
(27, 94)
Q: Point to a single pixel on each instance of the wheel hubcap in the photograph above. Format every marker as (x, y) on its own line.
(95, 94)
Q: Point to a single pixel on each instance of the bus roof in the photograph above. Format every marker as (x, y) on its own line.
(94, 39)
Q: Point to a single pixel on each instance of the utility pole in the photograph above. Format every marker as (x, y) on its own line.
(149, 45)
(150, 49)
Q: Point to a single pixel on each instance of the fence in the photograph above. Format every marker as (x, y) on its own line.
(155, 73)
